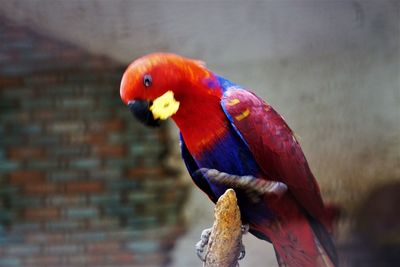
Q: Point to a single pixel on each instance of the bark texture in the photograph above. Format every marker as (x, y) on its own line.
(226, 236)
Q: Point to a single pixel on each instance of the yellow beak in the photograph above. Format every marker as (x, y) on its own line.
(164, 106)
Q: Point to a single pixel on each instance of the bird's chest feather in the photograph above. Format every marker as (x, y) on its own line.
(231, 155)
(227, 154)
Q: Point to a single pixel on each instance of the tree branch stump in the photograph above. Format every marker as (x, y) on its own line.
(226, 236)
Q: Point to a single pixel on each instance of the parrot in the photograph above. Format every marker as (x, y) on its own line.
(231, 138)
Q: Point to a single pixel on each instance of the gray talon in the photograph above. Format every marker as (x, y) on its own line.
(200, 253)
(242, 253)
(205, 235)
(245, 228)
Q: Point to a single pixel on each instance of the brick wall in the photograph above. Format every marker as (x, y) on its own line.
(81, 182)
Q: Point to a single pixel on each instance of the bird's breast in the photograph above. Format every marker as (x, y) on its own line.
(228, 154)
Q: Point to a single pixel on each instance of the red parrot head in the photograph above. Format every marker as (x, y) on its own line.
(157, 86)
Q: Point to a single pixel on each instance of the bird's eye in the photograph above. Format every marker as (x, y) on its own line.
(147, 80)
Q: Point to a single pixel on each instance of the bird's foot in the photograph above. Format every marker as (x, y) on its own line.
(201, 245)
(245, 228)
(242, 252)
(254, 187)
(205, 236)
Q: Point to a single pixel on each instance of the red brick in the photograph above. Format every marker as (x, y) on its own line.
(42, 214)
(112, 150)
(115, 125)
(66, 200)
(84, 187)
(138, 173)
(120, 257)
(104, 223)
(89, 259)
(10, 81)
(25, 152)
(107, 126)
(104, 247)
(44, 238)
(43, 260)
(25, 177)
(45, 78)
(66, 127)
(43, 114)
(63, 248)
(95, 138)
(41, 188)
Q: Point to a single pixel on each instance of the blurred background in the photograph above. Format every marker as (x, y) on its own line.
(83, 184)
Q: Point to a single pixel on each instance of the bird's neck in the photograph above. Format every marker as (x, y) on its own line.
(201, 121)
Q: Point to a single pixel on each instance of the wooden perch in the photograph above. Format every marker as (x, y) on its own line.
(226, 236)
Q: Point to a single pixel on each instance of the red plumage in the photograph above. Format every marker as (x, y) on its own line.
(276, 150)
(212, 113)
(280, 157)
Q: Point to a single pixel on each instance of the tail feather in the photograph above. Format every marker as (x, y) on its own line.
(333, 212)
(324, 240)
(303, 242)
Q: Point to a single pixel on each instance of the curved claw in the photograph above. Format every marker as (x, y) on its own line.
(245, 228)
(200, 253)
(242, 253)
(205, 235)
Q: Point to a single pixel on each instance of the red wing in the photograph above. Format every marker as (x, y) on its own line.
(274, 147)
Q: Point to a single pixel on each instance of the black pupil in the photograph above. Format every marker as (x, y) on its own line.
(147, 80)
